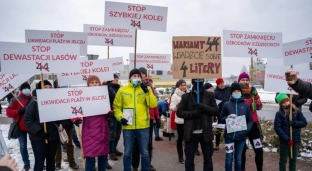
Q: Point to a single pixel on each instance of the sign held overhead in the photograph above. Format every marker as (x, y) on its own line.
(151, 61)
(9, 82)
(297, 52)
(135, 16)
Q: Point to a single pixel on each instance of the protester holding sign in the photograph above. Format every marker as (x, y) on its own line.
(296, 99)
(37, 135)
(131, 104)
(282, 123)
(175, 100)
(235, 141)
(252, 98)
(197, 124)
(303, 88)
(16, 110)
(114, 126)
(68, 126)
(222, 93)
(95, 135)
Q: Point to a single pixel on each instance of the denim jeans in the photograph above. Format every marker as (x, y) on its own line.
(156, 131)
(43, 151)
(236, 151)
(143, 137)
(190, 148)
(22, 139)
(90, 163)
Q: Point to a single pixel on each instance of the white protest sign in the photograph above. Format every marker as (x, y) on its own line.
(9, 82)
(67, 103)
(275, 81)
(29, 58)
(117, 63)
(109, 36)
(237, 124)
(151, 61)
(297, 52)
(137, 16)
(252, 44)
(60, 37)
(101, 68)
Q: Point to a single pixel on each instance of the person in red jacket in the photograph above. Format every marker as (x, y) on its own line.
(16, 110)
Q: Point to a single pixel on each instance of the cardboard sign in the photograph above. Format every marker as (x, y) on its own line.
(151, 61)
(9, 82)
(101, 68)
(29, 58)
(297, 52)
(196, 57)
(109, 36)
(275, 81)
(67, 103)
(45, 37)
(252, 44)
(117, 63)
(135, 16)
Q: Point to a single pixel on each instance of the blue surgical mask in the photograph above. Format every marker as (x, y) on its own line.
(26, 92)
(237, 96)
(136, 81)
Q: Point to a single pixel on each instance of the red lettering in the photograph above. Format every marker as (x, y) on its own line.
(212, 68)
(136, 8)
(41, 48)
(309, 42)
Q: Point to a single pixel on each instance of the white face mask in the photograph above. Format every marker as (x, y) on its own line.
(136, 81)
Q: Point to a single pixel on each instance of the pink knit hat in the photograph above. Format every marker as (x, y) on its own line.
(243, 75)
(91, 78)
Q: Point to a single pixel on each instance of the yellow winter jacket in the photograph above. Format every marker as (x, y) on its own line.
(130, 97)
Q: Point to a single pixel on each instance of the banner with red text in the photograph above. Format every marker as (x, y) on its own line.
(275, 81)
(67, 103)
(297, 52)
(100, 35)
(151, 61)
(45, 37)
(135, 16)
(252, 44)
(117, 63)
(196, 57)
(101, 68)
(29, 58)
(9, 82)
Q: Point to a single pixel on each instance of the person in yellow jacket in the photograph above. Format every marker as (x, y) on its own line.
(131, 108)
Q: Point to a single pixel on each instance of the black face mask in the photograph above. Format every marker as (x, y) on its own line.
(286, 107)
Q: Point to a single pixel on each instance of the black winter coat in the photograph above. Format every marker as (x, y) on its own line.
(282, 128)
(240, 108)
(112, 91)
(303, 88)
(186, 108)
(296, 100)
(224, 95)
(34, 126)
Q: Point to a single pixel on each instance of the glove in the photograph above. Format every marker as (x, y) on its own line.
(110, 114)
(233, 116)
(199, 106)
(157, 123)
(42, 134)
(144, 87)
(197, 114)
(291, 143)
(21, 111)
(124, 121)
(76, 121)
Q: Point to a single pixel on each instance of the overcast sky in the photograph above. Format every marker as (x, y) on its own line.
(185, 18)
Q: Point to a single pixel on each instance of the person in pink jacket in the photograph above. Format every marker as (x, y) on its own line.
(95, 135)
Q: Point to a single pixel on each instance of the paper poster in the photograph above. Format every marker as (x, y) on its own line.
(252, 44)
(196, 57)
(135, 16)
(297, 52)
(45, 37)
(151, 61)
(128, 114)
(237, 124)
(67, 103)
(10, 82)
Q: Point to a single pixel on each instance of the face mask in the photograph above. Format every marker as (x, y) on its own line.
(237, 96)
(136, 81)
(286, 106)
(26, 92)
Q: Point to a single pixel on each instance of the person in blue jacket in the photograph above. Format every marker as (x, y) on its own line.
(235, 140)
(162, 109)
(282, 125)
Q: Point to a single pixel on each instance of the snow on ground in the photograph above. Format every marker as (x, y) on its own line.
(13, 148)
